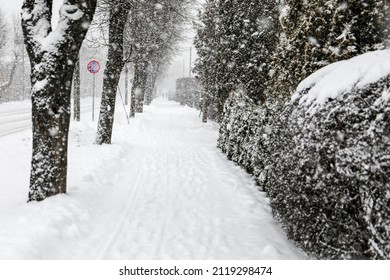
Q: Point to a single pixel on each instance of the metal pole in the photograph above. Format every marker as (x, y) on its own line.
(23, 73)
(93, 98)
(124, 105)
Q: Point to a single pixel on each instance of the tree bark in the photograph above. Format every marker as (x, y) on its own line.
(126, 85)
(151, 83)
(76, 91)
(114, 66)
(140, 94)
(52, 57)
(134, 91)
(205, 106)
(5, 86)
(138, 88)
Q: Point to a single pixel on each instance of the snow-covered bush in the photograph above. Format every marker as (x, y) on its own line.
(243, 133)
(329, 182)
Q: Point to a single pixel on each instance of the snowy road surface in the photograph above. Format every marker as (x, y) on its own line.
(162, 190)
(13, 120)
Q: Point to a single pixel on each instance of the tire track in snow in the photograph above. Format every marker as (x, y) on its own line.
(121, 221)
(178, 196)
(146, 157)
(167, 188)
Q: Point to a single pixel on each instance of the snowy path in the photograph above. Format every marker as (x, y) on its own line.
(162, 190)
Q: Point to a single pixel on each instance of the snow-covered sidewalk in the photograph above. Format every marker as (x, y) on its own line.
(162, 190)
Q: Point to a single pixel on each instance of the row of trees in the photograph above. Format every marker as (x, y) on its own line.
(235, 42)
(269, 47)
(13, 60)
(143, 33)
(139, 33)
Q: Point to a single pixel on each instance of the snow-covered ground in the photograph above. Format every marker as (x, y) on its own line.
(162, 190)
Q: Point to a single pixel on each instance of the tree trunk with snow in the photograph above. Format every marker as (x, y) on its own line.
(5, 86)
(139, 108)
(151, 83)
(134, 91)
(114, 66)
(205, 108)
(76, 91)
(126, 85)
(138, 89)
(53, 55)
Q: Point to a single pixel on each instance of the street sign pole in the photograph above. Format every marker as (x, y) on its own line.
(93, 99)
(93, 67)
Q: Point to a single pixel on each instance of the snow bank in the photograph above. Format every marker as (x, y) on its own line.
(343, 76)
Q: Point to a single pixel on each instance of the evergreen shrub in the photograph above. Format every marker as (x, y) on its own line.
(329, 182)
(244, 133)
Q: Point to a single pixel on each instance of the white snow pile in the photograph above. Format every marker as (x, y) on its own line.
(343, 76)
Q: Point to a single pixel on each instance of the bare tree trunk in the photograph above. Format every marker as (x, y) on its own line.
(140, 94)
(126, 85)
(76, 91)
(134, 90)
(138, 89)
(114, 66)
(23, 73)
(52, 67)
(5, 86)
(205, 106)
(152, 78)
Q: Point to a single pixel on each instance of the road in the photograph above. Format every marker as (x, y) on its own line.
(14, 119)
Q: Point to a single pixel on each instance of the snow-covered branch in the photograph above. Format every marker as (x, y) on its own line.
(75, 15)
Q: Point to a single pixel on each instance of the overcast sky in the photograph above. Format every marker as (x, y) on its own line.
(11, 7)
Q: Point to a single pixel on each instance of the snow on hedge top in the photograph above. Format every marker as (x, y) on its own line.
(343, 76)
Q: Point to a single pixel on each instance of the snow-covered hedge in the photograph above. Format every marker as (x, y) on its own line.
(329, 183)
(243, 133)
(324, 159)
